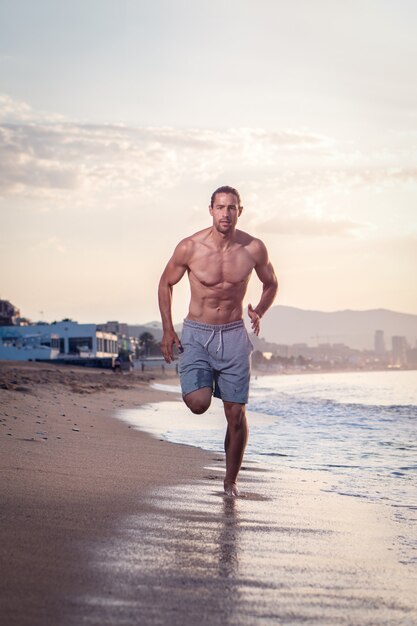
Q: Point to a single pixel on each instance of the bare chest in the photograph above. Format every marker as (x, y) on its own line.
(214, 268)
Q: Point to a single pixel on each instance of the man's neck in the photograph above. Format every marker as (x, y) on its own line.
(222, 240)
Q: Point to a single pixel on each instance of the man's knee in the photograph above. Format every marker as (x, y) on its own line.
(198, 407)
(198, 401)
(235, 414)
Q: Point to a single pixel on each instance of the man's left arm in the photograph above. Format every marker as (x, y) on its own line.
(269, 281)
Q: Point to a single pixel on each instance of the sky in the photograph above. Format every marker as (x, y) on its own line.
(118, 118)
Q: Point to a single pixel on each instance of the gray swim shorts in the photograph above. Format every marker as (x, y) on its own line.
(216, 356)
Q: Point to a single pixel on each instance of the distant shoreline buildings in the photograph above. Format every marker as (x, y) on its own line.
(20, 339)
(67, 340)
(335, 356)
(59, 340)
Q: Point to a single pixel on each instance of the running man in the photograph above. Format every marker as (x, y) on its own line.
(215, 348)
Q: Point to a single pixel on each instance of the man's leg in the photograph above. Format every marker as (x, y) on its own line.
(234, 444)
(199, 401)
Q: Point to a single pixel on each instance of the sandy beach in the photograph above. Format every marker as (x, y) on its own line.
(69, 472)
(103, 524)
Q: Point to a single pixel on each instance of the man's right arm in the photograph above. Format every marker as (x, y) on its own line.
(174, 271)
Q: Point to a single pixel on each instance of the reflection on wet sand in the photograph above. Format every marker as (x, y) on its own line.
(296, 558)
(228, 540)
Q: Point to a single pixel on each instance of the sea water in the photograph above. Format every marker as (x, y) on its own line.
(358, 428)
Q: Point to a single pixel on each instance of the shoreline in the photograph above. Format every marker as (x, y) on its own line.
(70, 469)
(104, 524)
(297, 372)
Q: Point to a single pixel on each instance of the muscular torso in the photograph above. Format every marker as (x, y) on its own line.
(219, 277)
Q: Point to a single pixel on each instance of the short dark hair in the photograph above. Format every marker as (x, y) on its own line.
(225, 189)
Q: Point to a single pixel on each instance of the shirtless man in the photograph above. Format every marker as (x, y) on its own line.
(215, 348)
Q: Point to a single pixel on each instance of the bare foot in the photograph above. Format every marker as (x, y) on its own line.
(230, 489)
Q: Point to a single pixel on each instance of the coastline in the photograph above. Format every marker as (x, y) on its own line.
(70, 470)
(300, 371)
(104, 524)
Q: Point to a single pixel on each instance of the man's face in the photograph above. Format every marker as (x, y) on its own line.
(225, 211)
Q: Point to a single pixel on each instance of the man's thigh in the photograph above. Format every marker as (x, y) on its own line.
(232, 375)
(195, 369)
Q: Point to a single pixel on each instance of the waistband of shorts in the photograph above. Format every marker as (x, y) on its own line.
(214, 327)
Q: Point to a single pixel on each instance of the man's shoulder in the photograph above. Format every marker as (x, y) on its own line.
(200, 235)
(255, 247)
(245, 239)
(188, 244)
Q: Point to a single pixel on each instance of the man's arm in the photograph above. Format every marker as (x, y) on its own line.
(269, 281)
(172, 274)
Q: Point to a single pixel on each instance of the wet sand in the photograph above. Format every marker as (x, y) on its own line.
(69, 473)
(102, 524)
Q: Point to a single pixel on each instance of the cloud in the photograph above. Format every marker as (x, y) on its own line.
(12, 110)
(99, 166)
(15, 110)
(40, 156)
(27, 164)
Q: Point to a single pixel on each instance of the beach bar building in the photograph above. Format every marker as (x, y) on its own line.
(66, 339)
(84, 340)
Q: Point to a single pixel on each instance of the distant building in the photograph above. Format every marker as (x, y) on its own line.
(399, 351)
(30, 345)
(125, 342)
(9, 314)
(298, 349)
(412, 357)
(84, 340)
(119, 328)
(60, 339)
(379, 343)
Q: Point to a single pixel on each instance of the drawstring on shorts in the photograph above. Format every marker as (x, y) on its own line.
(213, 332)
(220, 340)
(209, 339)
(213, 329)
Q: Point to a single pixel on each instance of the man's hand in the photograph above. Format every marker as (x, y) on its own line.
(169, 338)
(255, 319)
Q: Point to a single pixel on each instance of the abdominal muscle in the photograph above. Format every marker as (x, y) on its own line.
(220, 304)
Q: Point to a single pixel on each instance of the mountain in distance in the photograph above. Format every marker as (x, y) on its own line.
(288, 325)
(155, 328)
(356, 329)
(136, 330)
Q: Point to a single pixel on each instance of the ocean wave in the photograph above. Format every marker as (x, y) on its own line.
(282, 404)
